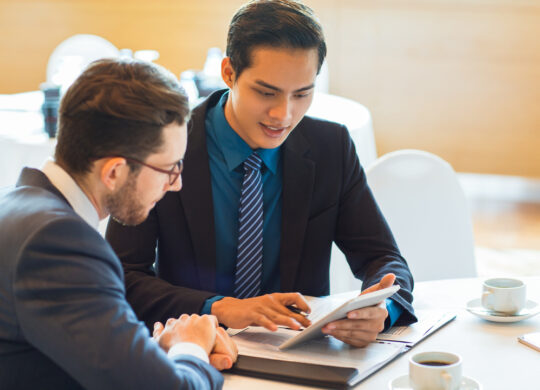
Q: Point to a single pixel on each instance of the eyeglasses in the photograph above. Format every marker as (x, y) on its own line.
(173, 174)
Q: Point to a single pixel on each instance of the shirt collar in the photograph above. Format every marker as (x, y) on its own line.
(72, 192)
(235, 149)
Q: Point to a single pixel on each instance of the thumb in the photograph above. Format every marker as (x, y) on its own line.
(386, 281)
(220, 361)
(158, 329)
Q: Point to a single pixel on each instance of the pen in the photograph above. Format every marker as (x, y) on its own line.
(296, 310)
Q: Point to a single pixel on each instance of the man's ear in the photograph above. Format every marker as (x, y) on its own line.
(227, 71)
(112, 171)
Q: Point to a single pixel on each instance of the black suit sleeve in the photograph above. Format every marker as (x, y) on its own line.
(70, 303)
(364, 236)
(152, 298)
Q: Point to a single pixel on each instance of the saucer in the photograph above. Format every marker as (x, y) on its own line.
(402, 383)
(475, 307)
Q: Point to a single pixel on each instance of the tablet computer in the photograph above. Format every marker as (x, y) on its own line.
(314, 330)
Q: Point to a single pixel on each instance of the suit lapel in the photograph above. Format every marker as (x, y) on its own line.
(196, 196)
(298, 181)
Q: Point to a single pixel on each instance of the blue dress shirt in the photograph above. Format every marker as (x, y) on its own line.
(227, 153)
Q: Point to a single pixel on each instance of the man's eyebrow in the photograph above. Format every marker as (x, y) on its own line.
(269, 86)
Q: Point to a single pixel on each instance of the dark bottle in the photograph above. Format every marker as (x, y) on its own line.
(51, 102)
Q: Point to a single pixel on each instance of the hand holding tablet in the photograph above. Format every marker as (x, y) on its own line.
(364, 300)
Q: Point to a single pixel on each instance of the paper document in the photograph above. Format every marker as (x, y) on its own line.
(259, 342)
(428, 322)
(318, 358)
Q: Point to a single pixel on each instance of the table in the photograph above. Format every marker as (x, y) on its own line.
(23, 141)
(490, 351)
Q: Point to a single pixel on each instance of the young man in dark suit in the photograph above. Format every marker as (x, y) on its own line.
(64, 319)
(268, 191)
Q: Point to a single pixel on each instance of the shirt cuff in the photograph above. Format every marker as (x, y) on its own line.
(188, 349)
(207, 307)
(394, 311)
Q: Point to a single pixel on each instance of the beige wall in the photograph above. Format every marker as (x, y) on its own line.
(181, 30)
(459, 78)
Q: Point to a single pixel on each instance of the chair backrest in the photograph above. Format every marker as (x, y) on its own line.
(352, 114)
(425, 206)
(6, 189)
(72, 55)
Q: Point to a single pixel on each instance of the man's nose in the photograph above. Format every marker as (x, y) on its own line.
(282, 111)
(177, 185)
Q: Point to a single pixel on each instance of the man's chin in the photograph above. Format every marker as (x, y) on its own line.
(266, 142)
(132, 220)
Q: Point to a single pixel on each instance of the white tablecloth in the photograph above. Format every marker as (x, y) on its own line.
(23, 141)
(491, 353)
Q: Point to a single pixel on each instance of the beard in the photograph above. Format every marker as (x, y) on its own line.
(123, 206)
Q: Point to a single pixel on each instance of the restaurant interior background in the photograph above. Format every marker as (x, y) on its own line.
(457, 78)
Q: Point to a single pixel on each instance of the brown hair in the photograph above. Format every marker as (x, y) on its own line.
(272, 23)
(117, 107)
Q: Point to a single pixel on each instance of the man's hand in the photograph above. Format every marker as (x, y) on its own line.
(386, 281)
(362, 326)
(203, 331)
(225, 351)
(268, 310)
(200, 330)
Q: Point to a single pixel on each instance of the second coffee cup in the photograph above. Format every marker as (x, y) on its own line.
(504, 295)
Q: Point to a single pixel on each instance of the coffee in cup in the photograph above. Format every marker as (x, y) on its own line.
(435, 371)
(503, 295)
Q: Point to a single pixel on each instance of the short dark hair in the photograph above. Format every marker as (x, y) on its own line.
(272, 23)
(117, 107)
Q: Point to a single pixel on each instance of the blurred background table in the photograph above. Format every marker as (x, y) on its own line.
(23, 142)
(491, 353)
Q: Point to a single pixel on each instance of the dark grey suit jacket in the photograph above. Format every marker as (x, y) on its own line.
(64, 319)
(325, 199)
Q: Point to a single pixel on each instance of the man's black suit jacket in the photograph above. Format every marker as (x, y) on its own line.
(325, 199)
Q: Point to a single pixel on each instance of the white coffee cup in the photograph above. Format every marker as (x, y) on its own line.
(435, 371)
(504, 295)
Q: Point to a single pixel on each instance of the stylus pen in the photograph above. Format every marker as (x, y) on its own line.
(296, 310)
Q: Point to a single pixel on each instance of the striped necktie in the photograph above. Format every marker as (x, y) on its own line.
(250, 231)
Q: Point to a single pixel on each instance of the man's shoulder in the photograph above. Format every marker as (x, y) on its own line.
(319, 135)
(30, 211)
(198, 114)
(33, 202)
(320, 126)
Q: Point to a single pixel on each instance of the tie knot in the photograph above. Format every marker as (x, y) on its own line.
(253, 162)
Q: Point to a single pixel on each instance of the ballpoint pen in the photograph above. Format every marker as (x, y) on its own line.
(296, 310)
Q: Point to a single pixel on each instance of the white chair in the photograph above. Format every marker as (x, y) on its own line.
(354, 115)
(72, 55)
(422, 201)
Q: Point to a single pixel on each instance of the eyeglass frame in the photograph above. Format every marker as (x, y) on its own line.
(173, 175)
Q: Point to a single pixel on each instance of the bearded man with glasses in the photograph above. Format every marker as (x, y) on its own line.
(64, 319)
